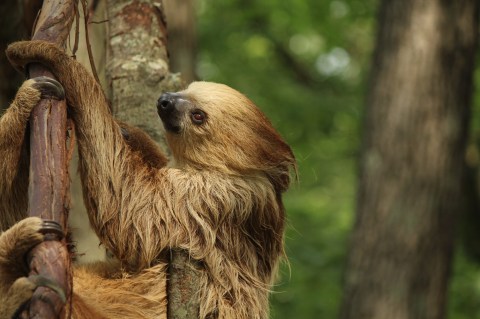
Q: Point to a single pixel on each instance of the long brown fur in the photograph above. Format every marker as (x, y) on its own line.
(220, 199)
(14, 156)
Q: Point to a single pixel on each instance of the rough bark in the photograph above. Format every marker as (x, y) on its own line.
(137, 74)
(48, 185)
(183, 287)
(137, 62)
(413, 153)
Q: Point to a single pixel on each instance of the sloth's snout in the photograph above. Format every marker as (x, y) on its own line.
(170, 107)
(166, 103)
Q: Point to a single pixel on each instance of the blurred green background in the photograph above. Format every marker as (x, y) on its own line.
(305, 64)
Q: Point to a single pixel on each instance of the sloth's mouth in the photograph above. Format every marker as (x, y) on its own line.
(171, 127)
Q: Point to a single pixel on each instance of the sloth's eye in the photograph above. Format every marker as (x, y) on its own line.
(198, 117)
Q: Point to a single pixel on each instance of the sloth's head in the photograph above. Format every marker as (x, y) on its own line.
(211, 126)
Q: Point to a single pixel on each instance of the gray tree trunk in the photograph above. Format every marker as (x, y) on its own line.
(137, 74)
(182, 37)
(413, 156)
(137, 62)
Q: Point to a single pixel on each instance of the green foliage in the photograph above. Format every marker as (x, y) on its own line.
(305, 64)
(464, 293)
(464, 290)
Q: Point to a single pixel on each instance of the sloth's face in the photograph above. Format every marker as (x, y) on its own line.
(206, 108)
(176, 109)
(214, 127)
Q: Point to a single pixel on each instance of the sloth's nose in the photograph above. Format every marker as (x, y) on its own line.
(166, 103)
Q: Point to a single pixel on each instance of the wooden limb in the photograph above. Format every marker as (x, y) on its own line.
(48, 199)
(48, 187)
(55, 21)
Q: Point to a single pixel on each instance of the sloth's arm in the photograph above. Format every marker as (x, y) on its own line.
(13, 150)
(120, 183)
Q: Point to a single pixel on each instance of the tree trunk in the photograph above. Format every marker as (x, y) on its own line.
(137, 62)
(137, 73)
(412, 161)
(182, 37)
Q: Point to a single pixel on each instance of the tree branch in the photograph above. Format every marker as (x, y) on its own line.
(48, 187)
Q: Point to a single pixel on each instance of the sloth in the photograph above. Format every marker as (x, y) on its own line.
(219, 199)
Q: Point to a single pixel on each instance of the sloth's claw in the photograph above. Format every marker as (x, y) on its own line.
(49, 88)
(41, 281)
(52, 227)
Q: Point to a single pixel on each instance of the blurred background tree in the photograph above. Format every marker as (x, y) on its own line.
(413, 160)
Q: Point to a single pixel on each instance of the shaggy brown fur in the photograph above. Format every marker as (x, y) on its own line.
(14, 156)
(220, 199)
(101, 290)
(15, 289)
